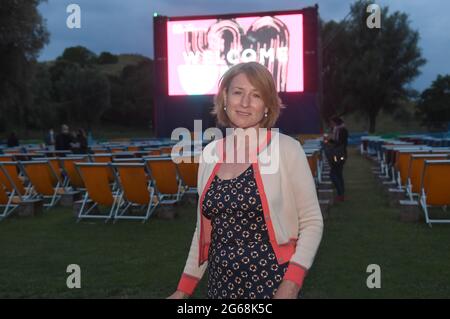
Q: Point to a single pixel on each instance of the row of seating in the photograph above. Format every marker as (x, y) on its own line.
(420, 172)
(120, 184)
(112, 184)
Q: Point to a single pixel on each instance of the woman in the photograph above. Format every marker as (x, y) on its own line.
(257, 232)
(338, 143)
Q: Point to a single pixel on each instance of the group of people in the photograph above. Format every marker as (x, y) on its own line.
(75, 141)
(68, 141)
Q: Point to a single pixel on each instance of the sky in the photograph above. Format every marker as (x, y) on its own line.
(126, 26)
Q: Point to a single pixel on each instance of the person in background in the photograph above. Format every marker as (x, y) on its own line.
(63, 139)
(80, 146)
(338, 142)
(50, 138)
(12, 141)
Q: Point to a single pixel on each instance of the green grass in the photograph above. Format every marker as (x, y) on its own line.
(135, 260)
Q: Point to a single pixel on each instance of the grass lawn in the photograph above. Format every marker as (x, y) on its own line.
(134, 260)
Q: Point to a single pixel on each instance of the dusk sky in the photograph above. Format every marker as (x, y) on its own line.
(120, 26)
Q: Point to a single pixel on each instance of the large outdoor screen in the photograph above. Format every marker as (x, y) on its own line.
(201, 50)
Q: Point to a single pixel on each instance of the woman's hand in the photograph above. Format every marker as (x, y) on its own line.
(287, 290)
(178, 295)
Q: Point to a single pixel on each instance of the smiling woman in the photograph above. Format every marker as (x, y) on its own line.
(247, 93)
(257, 231)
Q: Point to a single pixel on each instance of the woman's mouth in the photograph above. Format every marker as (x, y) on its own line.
(241, 113)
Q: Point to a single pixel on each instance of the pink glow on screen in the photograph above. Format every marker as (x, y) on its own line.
(201, 51)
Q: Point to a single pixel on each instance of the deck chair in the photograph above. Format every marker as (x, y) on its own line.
(188, 170)
(99, 190)
(55, 164)
(133, 148)
(312, 161)
(153, 152)
(6, 158)
(6, 203)
(168, 185)
(128, 160)
(402, 165)
(13, 181)
(435, 190)
(45, 182)
(72, 178)
(103, 158)
(166, 150)
(9, 201)
(136, 191)
(416, 166)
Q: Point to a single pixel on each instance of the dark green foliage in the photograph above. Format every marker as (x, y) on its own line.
(107, 58)
(368, 70)
(22, 35)
(434, 104)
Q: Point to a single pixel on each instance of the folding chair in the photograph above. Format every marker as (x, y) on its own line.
(402, 165)
(435, 188)
(168, 185)
(55, 164)
(6, 158)
(45, 182)
(128, 160)
(166, 150)
(11, 179)
(8, 201)
(416, 166)
(99, 190)
(133, 148)
(154, 152)
(188, 170)
(312, 161)
(135, 189)
(72, 178)
(103, 158)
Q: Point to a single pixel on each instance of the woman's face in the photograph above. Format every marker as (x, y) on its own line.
(244, 103)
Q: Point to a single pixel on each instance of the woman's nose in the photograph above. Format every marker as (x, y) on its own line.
(245, 101)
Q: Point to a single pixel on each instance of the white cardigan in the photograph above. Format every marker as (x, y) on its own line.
(289, 199)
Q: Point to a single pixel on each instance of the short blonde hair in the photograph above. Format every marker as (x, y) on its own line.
(262, 80)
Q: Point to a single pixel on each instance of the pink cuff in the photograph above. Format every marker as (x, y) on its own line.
(188, 284)
(295, 273)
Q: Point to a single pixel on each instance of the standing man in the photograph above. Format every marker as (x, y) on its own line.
(337, 156)
(63, 139)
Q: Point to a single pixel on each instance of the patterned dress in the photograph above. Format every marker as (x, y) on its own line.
(241, 262)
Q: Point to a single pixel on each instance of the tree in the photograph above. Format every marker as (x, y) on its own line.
(132, 96)
(43, 111)
(374, 68)
(79, 55)
(83, 95)
(433, 107)
(22, 35)
(107, 58)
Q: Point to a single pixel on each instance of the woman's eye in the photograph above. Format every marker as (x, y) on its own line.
(236, 92)
(256, 95)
